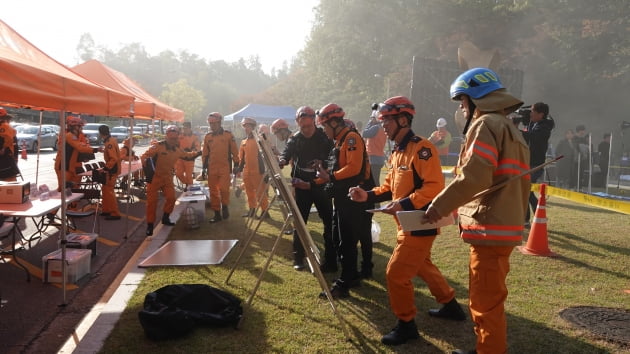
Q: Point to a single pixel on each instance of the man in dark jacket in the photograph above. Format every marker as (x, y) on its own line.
(309, 144)
(537, 138)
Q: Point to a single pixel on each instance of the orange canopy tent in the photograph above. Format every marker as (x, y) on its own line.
(30, 78)
(146, 106)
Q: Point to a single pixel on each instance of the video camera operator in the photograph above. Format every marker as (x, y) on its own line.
(539, 125)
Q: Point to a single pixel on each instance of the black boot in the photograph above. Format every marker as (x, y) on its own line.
(225, 211)
(150, 229)
(462, 351)
(403, 332)
(217, 217)
(298, 262)
(328, 267)
(166, 221)
(249, 213)
(451, 311)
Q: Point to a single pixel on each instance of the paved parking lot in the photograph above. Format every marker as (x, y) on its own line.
(39, 317)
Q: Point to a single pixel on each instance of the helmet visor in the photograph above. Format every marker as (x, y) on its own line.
(391, 109)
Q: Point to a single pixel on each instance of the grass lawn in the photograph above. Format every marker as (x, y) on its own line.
(286, 315)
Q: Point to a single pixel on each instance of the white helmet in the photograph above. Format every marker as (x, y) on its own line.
(441, 123)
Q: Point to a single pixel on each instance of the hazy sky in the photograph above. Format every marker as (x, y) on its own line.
(275, 30)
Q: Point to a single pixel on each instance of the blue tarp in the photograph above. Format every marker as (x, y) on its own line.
(263, 114)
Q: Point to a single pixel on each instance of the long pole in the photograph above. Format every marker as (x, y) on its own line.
(507, 181)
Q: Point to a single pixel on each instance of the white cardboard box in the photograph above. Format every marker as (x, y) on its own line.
(78, 265)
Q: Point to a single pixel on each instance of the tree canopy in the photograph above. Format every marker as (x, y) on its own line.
(574, 54)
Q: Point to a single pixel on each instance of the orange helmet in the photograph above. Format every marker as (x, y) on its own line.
(215, 117)
(248, 120)
(304, 111)
(279, 124)
(396, 105)
(74, 121)
(328, 112)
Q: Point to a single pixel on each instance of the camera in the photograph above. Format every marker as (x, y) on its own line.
(522, 115)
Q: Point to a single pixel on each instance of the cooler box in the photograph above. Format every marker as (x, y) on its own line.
(82, 240)
(196, 200)
(78, 265)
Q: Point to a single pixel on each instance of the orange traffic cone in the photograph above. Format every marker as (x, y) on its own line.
(537, 244)
(23, 152)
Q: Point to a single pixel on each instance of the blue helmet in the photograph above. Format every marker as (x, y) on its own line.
(475, 83)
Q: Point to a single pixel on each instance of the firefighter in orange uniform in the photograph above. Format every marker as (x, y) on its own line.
(253, 170)
(219, 151)
(494, 151)
(184, 168)
(8, 146)
(111, 155)
(74, 146)
(159, 160)
(414, 179)
(347, 167)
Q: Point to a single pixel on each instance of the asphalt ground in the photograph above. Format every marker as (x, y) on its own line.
(38, 317)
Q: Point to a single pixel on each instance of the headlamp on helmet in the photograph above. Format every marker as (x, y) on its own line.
(328, 112)
(395, 106)
(304, 111)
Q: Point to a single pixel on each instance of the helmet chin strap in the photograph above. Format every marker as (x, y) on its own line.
(471, 110)
(398, 127)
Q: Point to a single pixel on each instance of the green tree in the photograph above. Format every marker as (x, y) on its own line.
(183, 96)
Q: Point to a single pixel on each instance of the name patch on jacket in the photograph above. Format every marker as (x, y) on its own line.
(351, 144)
(424, 153)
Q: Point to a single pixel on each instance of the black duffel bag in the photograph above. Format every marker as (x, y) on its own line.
(8, 166)
(174, 310)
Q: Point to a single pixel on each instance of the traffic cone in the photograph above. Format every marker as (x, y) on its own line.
(537, 243)
(23, 152)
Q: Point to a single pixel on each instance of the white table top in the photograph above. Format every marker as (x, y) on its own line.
(36, 207)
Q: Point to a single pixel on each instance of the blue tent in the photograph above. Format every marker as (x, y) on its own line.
(263, 114)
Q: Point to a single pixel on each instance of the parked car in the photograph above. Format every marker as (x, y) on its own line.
(27, 135)
(55, 127)
(91, 132)
(120, 133)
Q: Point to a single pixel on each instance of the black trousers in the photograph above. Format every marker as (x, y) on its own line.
(347, 225)
(305, 200)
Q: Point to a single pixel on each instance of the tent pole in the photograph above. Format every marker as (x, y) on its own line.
(39, 143)
(62, 197)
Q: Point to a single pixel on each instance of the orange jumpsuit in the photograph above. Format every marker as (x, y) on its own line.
(74, 146)
(8, 133)
(414, 179)
(349, 168)
(219, 151)
(164, 157)
(111, 154)
(253, 172)
(184, 168)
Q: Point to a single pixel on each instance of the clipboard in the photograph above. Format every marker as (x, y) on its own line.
(410, 221)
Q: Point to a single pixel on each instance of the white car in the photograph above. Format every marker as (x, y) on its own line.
(27, 135)
(120, 133)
